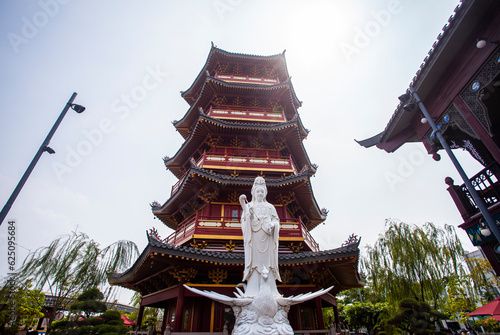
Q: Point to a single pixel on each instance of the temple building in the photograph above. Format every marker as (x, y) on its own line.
(459, 85)
(242, 122)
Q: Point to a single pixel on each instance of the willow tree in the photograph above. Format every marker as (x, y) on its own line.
(408, 261)
(73, 263)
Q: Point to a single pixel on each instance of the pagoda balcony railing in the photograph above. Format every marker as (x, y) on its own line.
(263, 115)
(241, 78)
(486, 183)
(227, 227)
(178, 184)
(233, 162)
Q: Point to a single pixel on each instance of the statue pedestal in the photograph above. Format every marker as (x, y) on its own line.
(263, 314)
(250, 321)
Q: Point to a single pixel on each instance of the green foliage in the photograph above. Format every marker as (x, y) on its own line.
(109, 322)
(150, 315)
(90, 302)
(25, 304)
(415, 317)
(73, 263)
(484, 278)
(408, 261)
(489, 324)
(358, 295)
(91, 294)
(111, 315)
(328, 315)
(364, 314)
(457, 304)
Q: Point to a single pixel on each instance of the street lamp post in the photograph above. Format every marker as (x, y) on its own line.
(437, 132)
(44, 147)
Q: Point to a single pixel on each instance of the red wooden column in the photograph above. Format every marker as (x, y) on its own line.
(164, 323)
(179, 307)
(337, 319)
(139, 318)
(319, 312)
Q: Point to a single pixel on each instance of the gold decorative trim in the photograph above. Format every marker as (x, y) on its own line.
(286, 275)
(295, 247)
(183, 275)
(230, 246)
(218, 275)
(199, 245)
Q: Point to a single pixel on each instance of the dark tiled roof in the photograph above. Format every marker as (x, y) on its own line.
(305, 194)
(230, 258)
(200, 132)
(249, 181)
(215, 54)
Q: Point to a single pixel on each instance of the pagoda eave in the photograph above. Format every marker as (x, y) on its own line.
(197, 178)
(159, 258)
(208, 125)
(217, 55)
(213, 86)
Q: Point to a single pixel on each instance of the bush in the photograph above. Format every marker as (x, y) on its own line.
(92, 321)
(108, 323)
(111, 315)
(490, 324)
(109, 329)
(116, 322)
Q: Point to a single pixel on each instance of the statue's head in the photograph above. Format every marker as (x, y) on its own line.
(259, 189)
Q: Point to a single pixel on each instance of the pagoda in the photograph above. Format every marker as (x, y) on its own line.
(242, 122)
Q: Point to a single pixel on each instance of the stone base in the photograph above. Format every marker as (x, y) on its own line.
(250, 322)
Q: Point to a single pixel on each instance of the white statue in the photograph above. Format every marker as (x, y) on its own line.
(260, 225)
(260, 310)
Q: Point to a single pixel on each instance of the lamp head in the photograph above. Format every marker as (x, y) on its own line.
(49, 150)
(480, 44)
(405, 97)
(77, 108)
(409, 107)
(485, 232)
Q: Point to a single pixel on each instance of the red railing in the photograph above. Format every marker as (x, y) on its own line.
(228, 226)
(232, 162)
(178, 184)
(487, 185)
(262, 115)
(241, 78)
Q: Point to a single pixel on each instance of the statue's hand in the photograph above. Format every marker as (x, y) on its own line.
(243, 198)
(268, 227)
(252, 213)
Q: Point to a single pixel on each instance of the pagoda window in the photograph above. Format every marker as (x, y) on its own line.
(232, 213)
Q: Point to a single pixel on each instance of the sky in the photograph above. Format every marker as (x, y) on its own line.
(128, 61)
